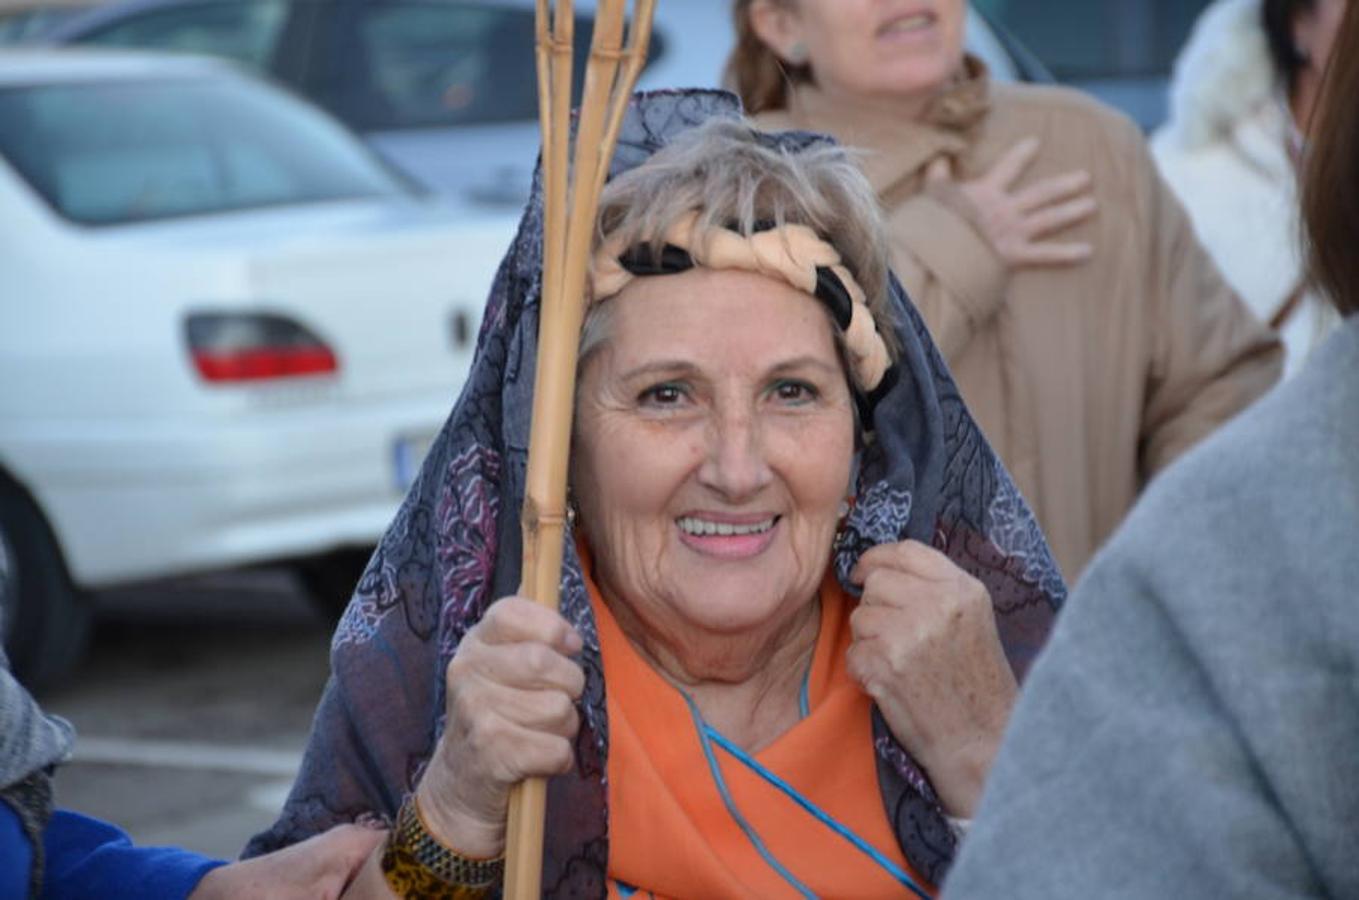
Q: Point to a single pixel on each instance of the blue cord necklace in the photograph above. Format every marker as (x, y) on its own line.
(708, 736)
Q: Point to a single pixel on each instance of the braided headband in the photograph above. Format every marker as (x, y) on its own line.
(794, 254)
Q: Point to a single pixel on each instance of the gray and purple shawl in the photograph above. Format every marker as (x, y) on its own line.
(454, 547)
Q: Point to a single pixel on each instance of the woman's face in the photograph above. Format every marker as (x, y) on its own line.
(1314, 31)
(714, 443)
(872, 49)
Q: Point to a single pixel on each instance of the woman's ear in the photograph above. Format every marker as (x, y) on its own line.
(777, 25)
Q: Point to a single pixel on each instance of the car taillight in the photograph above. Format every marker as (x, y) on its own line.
(236, 347)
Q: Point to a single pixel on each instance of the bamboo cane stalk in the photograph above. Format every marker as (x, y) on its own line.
(639, 41)
(555, 36)
(571, 188)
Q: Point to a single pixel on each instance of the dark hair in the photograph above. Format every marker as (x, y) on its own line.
(753, 70)
(1330, 190)
(1278, 17)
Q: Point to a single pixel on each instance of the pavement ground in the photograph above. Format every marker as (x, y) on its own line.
(193, 708)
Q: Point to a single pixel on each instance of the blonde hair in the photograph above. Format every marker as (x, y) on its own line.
(737, 178)
(754, 71)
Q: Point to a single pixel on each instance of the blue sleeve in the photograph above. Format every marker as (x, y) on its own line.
(16, 854)
(90, 858)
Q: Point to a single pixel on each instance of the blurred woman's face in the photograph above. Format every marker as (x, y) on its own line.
(1314, 31)
(713, 449)
(871, 49)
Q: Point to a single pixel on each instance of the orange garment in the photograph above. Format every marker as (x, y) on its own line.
(671, 835)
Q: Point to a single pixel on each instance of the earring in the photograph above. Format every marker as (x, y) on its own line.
(842, 524)
(797, 54)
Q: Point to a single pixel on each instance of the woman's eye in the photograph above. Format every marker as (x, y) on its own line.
(794, 391)
(662, 395)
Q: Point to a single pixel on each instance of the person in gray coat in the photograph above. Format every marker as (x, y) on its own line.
(1192, 729)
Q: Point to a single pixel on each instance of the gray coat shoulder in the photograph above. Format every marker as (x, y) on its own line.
(1271, 497)
(1192, 728)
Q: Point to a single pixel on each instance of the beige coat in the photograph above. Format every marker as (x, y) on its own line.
(1088, 379)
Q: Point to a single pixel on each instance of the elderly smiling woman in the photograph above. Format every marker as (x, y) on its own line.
(802, 587)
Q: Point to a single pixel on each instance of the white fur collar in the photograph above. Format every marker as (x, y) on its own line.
(1223, 74)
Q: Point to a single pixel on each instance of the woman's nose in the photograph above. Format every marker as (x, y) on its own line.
(736, 465)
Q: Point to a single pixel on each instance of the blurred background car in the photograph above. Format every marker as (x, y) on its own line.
(27, 20)
(444, 89)
(228, 333)
(411, 74)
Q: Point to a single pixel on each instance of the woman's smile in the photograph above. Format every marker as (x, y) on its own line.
(910, 28)
(728, 537)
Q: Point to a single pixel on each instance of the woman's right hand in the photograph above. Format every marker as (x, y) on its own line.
(511, 715)
(1015, 219)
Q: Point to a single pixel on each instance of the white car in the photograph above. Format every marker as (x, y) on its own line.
(227, 331)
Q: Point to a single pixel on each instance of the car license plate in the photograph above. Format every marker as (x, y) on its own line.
(408, 454)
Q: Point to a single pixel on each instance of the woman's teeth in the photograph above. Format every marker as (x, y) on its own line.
(704, 528)
(910, 23)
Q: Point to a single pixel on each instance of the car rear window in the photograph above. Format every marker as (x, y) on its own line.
(25, 25)
(432, 63)
(1098, 39)
(246, 31)
(422, 63)
(127, 151)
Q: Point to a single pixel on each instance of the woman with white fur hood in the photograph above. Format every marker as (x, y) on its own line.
(1241, 98)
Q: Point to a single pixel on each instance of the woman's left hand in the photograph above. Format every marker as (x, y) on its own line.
(927, 651)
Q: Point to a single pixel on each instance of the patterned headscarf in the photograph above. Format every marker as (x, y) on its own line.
(455, 546)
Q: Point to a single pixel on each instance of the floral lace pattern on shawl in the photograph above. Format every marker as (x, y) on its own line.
(454, 546)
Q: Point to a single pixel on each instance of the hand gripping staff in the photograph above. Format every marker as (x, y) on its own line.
(572, 180)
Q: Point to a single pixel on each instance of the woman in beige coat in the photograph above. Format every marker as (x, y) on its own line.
(1089, 333)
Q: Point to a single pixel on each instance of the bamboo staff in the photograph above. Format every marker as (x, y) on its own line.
(571, 188)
